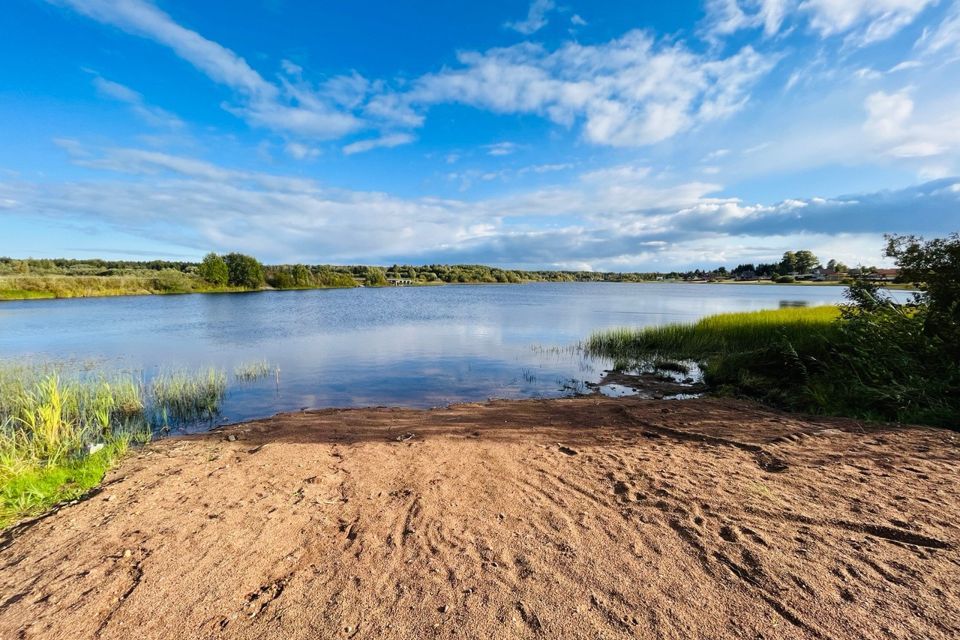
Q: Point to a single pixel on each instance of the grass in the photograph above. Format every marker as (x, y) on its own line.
(870, 364)
(183, 396)
(252, 371)
(717, 335)
(62, 429)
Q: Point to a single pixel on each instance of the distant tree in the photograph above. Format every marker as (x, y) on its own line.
(375, 277)
(302, 276)
(789, 262)
(244, 271)
(806, 261)
(213, 269)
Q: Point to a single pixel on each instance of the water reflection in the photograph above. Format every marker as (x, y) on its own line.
(405, 346)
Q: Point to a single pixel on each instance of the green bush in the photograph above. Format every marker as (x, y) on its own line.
(214, 270)
(244, 271)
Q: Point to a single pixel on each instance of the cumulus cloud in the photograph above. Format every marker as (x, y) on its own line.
(622, 215)
(630, 91)
(536, 17)
(891, 123)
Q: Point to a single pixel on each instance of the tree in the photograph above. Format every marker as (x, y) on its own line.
(244, 271)
(805, 261)
(213, 269)
(934, 265)
(302, 276)
(789, 262)
(375, 277)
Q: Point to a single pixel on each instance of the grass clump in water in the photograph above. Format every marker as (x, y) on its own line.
(184, 396)
(252, 371)
(61, 430)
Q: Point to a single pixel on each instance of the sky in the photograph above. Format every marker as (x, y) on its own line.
(603, 135)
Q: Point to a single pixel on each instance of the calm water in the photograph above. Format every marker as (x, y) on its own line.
(417, 347)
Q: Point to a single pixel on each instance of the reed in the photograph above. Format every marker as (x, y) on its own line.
(61, 428)
(716, 335)
(185, 396)
(252, 371)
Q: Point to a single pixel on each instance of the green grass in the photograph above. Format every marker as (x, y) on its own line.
(24, 294)
(185, 396)
(252, 371)
(62, 428)
(719, 334)
(35, 488)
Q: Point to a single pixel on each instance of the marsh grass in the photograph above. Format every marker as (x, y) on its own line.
(186, 396)
(717, 335)
(253, 371)
(61, 428)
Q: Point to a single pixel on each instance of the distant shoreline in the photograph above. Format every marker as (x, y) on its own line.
(114, 286)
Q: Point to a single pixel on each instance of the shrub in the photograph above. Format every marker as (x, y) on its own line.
(214, 270)
(244, 271)
(785, 279)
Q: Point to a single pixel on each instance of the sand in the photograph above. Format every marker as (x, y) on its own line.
(580, 518)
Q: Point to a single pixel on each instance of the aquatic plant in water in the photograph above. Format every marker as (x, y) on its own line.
(252, 371)
(61, 428)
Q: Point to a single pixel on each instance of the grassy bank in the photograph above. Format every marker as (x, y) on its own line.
(61, 430)
(718, 335)
(872, 364)
(31, 287)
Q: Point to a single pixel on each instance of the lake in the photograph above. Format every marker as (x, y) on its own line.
(408, 346)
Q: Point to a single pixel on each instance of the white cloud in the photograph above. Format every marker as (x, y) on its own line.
(386, 141)
(286, 108)
(863, 21)
(301, 151)
(725, 17)
(501, 148)
(944, 37)
(154, 116)
(536, 17)
(898, 133)
(623, 215)
(577, 21)
(627, 92)
(866, 21)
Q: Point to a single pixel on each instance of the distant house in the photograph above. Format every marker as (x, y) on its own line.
(747, 275)
(821, 274)
(884, 275)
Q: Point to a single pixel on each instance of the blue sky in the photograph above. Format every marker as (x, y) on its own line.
(616, 135)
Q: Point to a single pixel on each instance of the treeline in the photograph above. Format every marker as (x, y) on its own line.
(237, 270)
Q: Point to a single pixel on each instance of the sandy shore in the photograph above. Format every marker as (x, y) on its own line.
(583, 518)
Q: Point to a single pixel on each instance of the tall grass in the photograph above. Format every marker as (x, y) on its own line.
(252, 371)
(719, 334)
(185, 396)
(61, 429)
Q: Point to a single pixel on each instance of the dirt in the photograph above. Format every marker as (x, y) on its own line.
(579, 518)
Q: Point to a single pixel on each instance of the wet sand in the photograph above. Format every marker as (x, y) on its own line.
(579, 518)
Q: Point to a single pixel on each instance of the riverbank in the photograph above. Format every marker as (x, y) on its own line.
(60, 287)
(573, 518)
